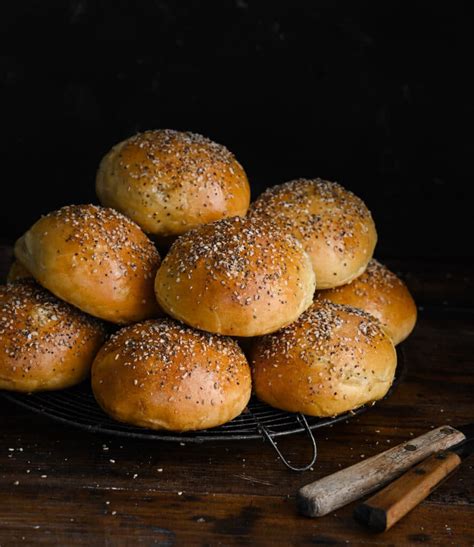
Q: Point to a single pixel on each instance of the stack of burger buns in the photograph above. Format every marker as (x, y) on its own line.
(290, 277)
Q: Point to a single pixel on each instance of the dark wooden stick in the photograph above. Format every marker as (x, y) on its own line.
(392, 503)
(329, 493)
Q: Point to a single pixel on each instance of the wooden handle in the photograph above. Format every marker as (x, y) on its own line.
(392, 503)
(334, 491)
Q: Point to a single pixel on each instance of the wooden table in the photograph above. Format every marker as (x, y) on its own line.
(60, 485)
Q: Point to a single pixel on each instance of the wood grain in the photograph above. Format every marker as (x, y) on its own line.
(333, 491)
(61, 479)
(388, 506)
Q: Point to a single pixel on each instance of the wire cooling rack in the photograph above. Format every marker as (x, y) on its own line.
(77, 407)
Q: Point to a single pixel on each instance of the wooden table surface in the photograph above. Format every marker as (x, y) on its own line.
(60, 485)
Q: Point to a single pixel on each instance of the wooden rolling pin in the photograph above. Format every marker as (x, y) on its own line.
(334, 491)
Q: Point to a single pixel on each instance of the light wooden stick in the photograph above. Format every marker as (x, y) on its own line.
(392, 503)
(334, 491)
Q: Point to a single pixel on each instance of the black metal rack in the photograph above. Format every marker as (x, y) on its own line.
(77, 407)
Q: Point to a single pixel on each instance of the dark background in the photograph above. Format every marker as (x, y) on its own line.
(375, 95)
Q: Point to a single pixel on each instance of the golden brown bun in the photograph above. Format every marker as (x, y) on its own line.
(237, 277)
(381, 293)
(333, 359)
(163, 375)
(94, 258)
(334, 226)
(45, 344)
(169, 182)
(18, 271)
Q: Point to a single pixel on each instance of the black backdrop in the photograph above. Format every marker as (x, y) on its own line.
(375, 95)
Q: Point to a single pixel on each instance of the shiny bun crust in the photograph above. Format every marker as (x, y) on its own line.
(381, 293)
(163, 375)
(94, 258)
(333, 359)
(334, 226)
(169, 182)
(238, 276)
(18, 271)
(45, 344)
